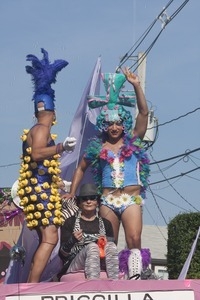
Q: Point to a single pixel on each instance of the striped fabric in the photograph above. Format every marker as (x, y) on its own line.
(88, 261)
(69, 208)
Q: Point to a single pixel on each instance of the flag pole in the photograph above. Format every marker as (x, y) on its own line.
(80, 145)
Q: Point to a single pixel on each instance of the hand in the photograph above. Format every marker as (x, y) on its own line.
(65, 186)
(131, 77)
(66, 197)
(69, 143)
(78, 234)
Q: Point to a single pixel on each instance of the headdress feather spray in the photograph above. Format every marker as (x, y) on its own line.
(43, 75)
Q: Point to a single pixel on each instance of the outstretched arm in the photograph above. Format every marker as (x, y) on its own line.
(142, 117)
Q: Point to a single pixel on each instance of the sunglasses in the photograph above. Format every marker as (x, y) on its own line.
(85, 198)
(117, 123)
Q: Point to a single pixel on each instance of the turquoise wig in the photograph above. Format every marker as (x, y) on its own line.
(118, 113)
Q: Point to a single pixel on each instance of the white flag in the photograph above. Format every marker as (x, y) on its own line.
(186, 266)
(82, 127)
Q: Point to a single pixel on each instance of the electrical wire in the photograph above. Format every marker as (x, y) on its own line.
(148, 144)
(158, 227)
(135, 46)
(182, 116)
(180, 175)
(159, 209)
(9, 165)
(174, 157)
(165, 19)
(168, 167)
(172, 203)
(183, 198)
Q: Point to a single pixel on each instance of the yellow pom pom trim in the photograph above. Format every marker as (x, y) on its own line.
(45, 221)
(37, 215)
(40, 206)
(33, 198)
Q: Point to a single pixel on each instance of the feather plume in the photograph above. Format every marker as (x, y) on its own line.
(44, 73)
(146, 257)
(123, 260)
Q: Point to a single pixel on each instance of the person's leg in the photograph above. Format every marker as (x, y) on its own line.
(87, 259)
(92, 262)
(132, 223)
(49, 239)
(112, 261)
(108, 213)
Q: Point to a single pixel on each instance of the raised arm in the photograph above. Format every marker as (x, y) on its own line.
(142, 117)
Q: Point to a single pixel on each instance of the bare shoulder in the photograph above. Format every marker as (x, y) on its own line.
(39, 134)
(39, 128)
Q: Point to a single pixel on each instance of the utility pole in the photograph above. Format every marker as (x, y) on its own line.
(152, 121)
(142, 69)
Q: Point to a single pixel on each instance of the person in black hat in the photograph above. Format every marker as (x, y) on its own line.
(87, 240)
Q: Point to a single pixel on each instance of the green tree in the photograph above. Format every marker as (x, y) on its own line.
(182, 231)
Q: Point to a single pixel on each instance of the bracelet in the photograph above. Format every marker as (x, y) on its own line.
(59, 148)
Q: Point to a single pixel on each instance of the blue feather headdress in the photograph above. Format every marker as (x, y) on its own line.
(43, 75)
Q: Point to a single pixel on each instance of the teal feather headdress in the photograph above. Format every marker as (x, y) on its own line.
(113, 103)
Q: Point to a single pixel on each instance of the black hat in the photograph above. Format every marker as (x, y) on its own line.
(88, 189)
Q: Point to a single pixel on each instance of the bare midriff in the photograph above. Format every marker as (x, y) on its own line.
(132, 190)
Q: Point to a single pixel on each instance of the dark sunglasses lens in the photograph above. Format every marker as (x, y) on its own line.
(85, 198)
(118, 123)
(94, 198)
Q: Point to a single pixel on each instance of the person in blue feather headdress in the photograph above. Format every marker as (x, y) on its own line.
(119, 163)
(39, 180)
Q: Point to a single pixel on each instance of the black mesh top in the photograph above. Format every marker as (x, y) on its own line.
(88, 227)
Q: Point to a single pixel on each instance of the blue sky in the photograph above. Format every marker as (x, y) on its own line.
(80, 31)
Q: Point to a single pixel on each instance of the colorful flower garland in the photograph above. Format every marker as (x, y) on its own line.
(94, 153)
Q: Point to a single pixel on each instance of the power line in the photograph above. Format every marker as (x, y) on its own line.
(148, 145)
(168, 167)
(141, 39)
(182, 116)
(174, 157)
(165, 19)
(155, 223)
(180, 175)
(9, 165)
(151, 163)
(158, 206)
(167, 179)
(172, 203)
(175, 119)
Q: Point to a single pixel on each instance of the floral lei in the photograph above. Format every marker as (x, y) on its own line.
(94, 153)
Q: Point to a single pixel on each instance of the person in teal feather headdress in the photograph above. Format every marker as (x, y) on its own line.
(119, 162)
